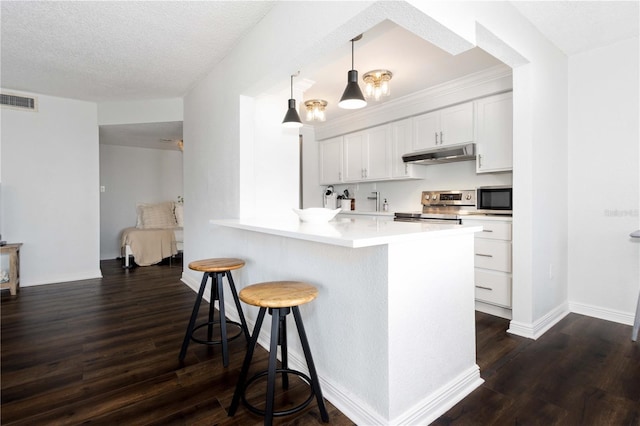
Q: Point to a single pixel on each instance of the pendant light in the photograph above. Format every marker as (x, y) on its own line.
(352, 98)
(291, 118)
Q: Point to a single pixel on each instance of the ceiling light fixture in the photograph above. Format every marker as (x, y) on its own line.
(291, 118)
(352, 98)
(377, 84)
(315, 109)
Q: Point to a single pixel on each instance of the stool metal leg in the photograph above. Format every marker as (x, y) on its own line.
(236, 299)
(271, 376)
(310, 365)
(223, 321)
(247, 363)
(284, 350)
(212, 299)
(192, 320)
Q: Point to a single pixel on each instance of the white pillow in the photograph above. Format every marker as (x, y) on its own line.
(179, 212)
(158, 215)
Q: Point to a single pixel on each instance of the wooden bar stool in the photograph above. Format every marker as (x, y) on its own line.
(216, 269)
(280, 297)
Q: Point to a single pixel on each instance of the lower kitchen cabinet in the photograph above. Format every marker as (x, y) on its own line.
(493, 279)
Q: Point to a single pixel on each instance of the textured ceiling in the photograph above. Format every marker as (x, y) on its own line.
(118, 50)
(577, 26)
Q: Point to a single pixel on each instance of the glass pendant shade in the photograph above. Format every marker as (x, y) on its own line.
(291, 118)
(315, 109)
(377, 84)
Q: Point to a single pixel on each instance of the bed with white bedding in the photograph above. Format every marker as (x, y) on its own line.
(158, 234)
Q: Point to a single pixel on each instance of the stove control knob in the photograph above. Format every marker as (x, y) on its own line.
(468, 197)
(434, 197)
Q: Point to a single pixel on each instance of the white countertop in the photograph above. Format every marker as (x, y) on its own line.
(348, 231)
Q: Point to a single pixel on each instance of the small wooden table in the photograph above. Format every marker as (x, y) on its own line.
(14, 267)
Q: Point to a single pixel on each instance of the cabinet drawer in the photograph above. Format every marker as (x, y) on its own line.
(494, 288)
(492, 229)
(493, 254)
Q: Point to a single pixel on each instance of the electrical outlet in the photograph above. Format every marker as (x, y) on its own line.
(102, 188)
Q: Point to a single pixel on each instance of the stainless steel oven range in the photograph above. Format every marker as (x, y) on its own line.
(442, 207)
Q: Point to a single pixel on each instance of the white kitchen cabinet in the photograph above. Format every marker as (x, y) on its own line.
(447, 126)
(367, 155)
(330, 156)
(494, 133)
(493, 260)
(401, 143)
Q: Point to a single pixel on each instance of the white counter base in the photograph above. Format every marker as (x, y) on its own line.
(393, 328)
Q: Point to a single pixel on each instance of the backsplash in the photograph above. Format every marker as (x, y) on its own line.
(405, 195)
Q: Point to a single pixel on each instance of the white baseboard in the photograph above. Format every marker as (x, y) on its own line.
(77, 276)
(439, 402)
(539, 327)
(497, 311)
(613, 315)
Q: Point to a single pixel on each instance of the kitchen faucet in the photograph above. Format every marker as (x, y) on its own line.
(377, 198)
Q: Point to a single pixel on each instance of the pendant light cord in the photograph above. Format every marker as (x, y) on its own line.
(293, 75)
(352, 66)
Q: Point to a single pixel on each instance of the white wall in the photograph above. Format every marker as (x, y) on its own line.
(50, 189)
(133, 175)
(604, 183)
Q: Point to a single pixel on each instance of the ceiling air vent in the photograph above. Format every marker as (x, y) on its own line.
(19, 102)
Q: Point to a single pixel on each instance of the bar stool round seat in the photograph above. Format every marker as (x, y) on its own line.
(279, 298)
(216, 269)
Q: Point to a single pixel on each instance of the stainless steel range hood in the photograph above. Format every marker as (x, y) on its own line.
(446, 154)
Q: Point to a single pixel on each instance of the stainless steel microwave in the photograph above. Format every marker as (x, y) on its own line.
(494, 199)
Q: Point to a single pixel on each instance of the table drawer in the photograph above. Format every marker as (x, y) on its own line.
(493, 254)
(494, 288)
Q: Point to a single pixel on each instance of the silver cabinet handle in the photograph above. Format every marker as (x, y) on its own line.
(484, 288)
(487, 230)
(479, 161)
(441, 139)
(484, 255)
(436, 138)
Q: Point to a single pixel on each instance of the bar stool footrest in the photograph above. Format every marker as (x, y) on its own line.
(280, 413)
(216, 342)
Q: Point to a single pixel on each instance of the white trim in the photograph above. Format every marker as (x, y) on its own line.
(79, 276)
(614, 315)
(539, 327)
(439, 402)
(494, 310)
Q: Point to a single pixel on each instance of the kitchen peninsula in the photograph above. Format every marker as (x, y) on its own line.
(392, 331)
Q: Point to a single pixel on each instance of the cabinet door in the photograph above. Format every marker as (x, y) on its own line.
(377, 154)
(401, 143)
(354, 147)
(426, 130)
(330, 161)
(494, 133)
(456, 124)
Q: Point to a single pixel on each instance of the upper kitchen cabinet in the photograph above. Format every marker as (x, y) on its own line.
(447, 126)
(494, 133)
(367, 155)
(401, 143)
(330, 155)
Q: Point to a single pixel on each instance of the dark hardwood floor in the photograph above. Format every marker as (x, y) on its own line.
(105, 351)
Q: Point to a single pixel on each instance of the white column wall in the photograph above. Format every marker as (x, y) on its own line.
(604, 185)
(50, 199)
